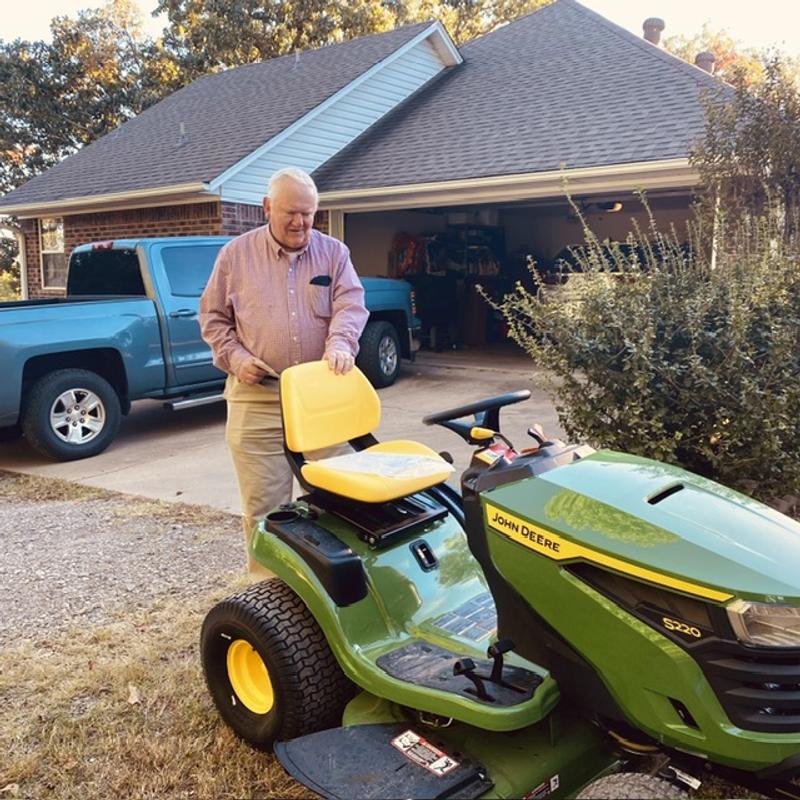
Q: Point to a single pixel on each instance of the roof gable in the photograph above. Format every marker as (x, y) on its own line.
(560, 86)
(329, 127)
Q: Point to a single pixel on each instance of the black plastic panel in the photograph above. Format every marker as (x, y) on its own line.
(338, 568)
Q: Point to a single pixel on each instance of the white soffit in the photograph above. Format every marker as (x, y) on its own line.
(331, 126)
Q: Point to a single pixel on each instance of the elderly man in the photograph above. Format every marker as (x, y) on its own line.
(279, 295)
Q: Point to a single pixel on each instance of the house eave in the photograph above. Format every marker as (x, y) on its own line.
(177, 194)
(647, 175)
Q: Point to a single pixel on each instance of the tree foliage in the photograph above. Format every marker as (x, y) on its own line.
(749, 156)
(733, 60)
(98, 71)
(205, 35)
(662, 352)
(9, 269)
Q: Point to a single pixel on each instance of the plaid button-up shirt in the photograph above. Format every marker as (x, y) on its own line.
(258, 302)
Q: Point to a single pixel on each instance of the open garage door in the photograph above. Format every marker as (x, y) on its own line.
(445, 253)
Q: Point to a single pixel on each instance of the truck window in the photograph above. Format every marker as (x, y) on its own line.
(105, 272)
(188, 268)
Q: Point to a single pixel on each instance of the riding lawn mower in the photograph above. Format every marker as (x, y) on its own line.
(567, 614)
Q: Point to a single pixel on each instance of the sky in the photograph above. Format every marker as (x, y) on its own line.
(759, 24)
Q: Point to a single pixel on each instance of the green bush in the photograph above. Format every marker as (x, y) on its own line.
(662, 350)
(9, 286)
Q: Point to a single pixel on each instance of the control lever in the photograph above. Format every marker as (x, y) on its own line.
(536, 432)
(495, 652)
(466, 667)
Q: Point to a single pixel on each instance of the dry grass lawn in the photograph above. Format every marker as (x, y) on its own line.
(122, 711)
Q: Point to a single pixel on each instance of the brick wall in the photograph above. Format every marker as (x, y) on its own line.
(238, 218)
(204, 219)
(184, 220)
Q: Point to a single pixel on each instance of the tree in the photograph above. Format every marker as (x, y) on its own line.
(9, 269)
(205, 35)
(98, 71)
(733, 60)
(749, 157)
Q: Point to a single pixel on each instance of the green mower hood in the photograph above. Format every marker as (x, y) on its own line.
(656, 522)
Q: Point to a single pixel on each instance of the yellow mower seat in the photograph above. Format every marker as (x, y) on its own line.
(321, 409)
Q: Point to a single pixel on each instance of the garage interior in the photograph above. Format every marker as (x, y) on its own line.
(445, 252)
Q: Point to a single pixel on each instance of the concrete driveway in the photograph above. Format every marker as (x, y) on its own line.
(181, 455)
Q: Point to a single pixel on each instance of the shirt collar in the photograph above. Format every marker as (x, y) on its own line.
(277, 250)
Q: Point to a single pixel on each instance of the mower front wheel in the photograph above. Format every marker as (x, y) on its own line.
(269, 669)
(631, 786)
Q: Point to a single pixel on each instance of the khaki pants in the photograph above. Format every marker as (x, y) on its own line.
(254, 434)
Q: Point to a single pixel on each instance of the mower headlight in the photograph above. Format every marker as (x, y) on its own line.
(765, 623)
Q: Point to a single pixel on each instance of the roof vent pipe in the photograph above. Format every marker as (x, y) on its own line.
(705, 60)
(652, 27)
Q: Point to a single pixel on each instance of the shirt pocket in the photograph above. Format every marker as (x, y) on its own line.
(319, 300)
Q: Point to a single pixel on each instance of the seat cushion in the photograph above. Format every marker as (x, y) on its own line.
(383, 472)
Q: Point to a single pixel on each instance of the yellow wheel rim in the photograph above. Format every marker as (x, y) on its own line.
(249, 677)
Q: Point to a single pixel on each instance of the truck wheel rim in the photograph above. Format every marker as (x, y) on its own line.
(77, 416)
(387, 355)
(249, 677)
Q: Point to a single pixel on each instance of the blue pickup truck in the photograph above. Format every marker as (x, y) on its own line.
(128, 330)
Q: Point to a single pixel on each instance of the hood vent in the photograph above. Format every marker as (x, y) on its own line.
(663, 494)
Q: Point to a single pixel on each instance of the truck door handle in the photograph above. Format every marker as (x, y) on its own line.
(183, 312)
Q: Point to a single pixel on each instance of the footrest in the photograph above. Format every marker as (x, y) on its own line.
(381, 762)
(428, 665)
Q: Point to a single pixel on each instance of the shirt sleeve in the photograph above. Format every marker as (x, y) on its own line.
(349, 314)
(218, 321)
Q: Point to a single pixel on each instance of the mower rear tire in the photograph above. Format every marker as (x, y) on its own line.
(269, 668)
(631, 786)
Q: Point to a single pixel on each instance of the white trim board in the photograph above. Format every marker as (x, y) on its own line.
(653, 175)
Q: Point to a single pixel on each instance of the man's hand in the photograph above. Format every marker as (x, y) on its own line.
(340, 361)
(252, 371)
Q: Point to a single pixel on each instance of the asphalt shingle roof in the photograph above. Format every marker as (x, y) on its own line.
(226, 116)
(560, 85)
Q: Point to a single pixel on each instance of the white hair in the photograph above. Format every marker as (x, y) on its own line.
(290, 173)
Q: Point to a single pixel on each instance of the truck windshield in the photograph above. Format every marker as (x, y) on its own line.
(105, 272)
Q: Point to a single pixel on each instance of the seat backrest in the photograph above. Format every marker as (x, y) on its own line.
(321, 408)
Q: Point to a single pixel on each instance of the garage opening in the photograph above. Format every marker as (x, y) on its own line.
(446, 252)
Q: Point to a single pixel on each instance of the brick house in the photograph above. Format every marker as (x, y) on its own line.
(406, 135)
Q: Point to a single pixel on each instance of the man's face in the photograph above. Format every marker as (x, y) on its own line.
(291, 212)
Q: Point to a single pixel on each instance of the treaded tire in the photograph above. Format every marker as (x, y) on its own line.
(36, 414)
(378, 335)
(631, 786)
(310, 689)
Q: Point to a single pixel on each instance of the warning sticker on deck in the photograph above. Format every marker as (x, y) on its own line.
(543, 789)
(422, 753)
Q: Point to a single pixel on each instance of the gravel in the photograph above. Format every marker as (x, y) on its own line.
(85, 560)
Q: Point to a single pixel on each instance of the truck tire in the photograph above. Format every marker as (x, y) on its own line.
(379, 353)
(10, 433)
(71, 414)
(269, 668)
(631, 786)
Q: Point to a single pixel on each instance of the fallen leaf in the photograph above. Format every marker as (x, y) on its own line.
(133, 695)
(11, 788)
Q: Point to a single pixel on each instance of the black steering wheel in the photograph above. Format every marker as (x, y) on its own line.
(486, 413)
